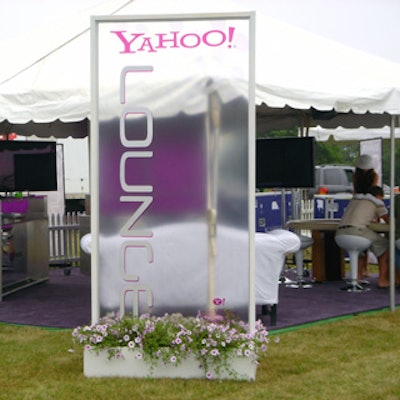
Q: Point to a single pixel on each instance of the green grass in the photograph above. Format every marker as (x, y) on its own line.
(347, 358)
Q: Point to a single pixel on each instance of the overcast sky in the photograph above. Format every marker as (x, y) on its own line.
(369, 25)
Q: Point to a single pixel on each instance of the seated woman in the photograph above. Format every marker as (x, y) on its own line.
(364, 178)
(360, 212)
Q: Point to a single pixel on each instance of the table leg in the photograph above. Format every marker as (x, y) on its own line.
(327, 257)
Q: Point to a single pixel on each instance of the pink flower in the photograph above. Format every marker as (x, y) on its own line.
(214, 352)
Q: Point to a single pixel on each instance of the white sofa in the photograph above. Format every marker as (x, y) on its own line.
(178, 271)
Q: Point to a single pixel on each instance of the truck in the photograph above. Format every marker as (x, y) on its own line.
(76, 172)
(332, 179)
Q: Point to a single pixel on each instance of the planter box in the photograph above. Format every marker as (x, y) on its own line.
(96, 364)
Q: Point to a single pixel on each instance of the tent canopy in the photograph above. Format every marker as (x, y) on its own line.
(343, 134)
(301, 78)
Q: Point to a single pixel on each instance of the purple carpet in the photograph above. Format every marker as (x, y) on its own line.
(327, 300)
(64, 302)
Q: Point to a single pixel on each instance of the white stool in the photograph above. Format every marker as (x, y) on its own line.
(353, 245)
(305, 241)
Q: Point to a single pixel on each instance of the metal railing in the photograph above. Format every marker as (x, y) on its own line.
(64, 239)
(307, 209)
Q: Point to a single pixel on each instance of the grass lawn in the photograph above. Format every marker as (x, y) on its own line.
(347, 358)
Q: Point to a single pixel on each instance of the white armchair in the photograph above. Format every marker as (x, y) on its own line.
(180, 282)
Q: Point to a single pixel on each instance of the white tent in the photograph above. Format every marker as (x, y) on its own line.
(302, 79)
(344, 134)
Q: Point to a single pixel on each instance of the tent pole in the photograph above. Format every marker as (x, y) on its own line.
(392, 216)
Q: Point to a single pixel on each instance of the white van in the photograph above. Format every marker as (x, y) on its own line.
(331, 179)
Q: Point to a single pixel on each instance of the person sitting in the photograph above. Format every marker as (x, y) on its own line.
(363, 209)
(364, 178)
(378, 192)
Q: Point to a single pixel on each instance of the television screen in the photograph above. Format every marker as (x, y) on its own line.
(285, 162)
(35, 172)
(28, 166)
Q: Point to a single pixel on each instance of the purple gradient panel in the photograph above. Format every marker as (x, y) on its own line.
(177, 169)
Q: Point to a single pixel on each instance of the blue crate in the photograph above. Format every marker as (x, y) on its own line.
(332, 206)
(269, 210)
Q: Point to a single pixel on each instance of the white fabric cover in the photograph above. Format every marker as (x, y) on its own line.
(230, 280)
(271, 249)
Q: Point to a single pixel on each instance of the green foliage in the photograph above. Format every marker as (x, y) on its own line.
(335, 153)
(291, 132)
(386, 162)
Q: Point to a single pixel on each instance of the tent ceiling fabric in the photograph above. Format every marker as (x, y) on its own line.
(286, 117)
(300, 77)
(341, 134)
(55, 128)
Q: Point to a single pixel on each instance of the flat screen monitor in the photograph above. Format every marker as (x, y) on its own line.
(285, 162)
(28, 166)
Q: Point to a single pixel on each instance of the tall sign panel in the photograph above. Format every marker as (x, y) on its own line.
(172, 160)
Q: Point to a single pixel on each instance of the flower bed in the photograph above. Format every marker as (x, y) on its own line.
(221, 347)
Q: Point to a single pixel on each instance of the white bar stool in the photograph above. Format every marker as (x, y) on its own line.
(354, 245)
(305, 241)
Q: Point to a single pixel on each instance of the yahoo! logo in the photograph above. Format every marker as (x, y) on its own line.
(218, 301)
(134, 42)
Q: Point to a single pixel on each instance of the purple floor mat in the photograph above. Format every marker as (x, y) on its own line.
(64, 302)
